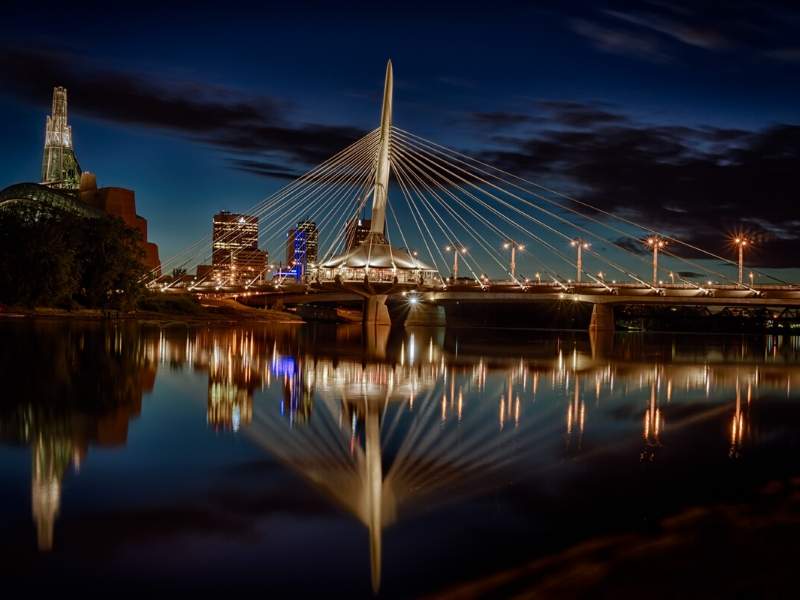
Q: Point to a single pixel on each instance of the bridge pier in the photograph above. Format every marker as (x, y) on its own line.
(602, 318)
(375, 310)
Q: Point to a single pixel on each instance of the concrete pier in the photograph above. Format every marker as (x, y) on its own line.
(602, 318)
(375, 310)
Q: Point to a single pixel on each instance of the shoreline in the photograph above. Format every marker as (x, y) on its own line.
(214, 316)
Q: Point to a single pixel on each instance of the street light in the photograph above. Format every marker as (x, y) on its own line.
(456, 251)
(741, 242)
(656, 243)
(514, 247)
(581, 245)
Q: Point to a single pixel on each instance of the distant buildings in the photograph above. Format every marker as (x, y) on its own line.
(355, 232)
(64, 185)
(230, 406)
(302, 247)
(235, 257)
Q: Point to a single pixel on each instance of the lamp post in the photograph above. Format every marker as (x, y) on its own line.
(656, 243)
(456, 251)
(581, 245)
(741, 242)
(514, 247)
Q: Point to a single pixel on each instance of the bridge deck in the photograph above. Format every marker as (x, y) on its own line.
(764, 296)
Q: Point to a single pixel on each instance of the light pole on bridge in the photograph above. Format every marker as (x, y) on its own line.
(741, 242)
(514, 247)
(656, 243)
(456, 251)
(580, 245)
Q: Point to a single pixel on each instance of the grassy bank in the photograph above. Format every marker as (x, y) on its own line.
(164, 309)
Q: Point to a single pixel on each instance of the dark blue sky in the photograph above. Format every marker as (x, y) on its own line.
(194, 107)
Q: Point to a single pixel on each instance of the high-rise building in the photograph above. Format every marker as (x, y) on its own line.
(60, 167)
(356, 232)
(235, 256)
(302, 246)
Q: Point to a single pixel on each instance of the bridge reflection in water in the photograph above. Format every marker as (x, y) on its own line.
(388, 424)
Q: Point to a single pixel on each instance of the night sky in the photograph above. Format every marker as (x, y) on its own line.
(684, 114)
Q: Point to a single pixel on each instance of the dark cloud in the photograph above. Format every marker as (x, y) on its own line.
(222, 117)
(579, 114)
(660, 31)
(264, 168)
(700, 184)
(686, 33)
(618, 41)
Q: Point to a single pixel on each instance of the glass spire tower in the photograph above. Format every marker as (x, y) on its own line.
(60, 168)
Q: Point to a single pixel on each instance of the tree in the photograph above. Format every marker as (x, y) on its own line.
(53, 257)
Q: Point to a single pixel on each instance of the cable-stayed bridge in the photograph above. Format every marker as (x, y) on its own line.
(457, 230)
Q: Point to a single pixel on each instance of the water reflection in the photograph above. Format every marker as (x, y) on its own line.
(69, 388)
(384, 424)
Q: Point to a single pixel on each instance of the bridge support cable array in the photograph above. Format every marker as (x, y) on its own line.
(450, 195)
(451, 179)
(409, 168)
(476, 184)
(567, 203)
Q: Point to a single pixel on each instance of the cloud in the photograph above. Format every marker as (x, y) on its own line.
(617, 41)
(579, 114)
(699, 183)
(691, 35)
(264, 168)
(659, 31)
(225, 118)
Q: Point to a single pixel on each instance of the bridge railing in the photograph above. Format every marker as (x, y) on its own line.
(374, 275)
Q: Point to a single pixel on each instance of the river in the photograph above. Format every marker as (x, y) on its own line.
(312, 461)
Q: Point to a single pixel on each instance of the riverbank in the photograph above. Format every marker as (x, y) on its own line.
(216, 312)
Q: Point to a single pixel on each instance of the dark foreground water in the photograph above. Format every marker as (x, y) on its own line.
(326, 462)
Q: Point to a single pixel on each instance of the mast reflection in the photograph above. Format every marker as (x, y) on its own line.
(383, 423)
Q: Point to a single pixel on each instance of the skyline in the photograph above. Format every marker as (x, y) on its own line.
(227, 135)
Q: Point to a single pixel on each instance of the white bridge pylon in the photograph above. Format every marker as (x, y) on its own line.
(439, 217)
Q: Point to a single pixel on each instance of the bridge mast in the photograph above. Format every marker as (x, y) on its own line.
(380, 193)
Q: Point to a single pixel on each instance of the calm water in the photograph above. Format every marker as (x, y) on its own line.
(311, 461)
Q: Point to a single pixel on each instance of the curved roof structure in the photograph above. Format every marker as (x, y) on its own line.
(34, 193)
(376, 256)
